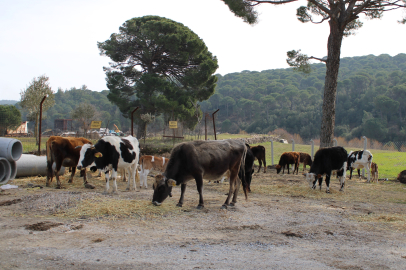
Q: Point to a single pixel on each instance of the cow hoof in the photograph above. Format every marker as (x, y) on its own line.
(224, 206)
(232, 204)
(200, 207)
(128, 189)
(59, 187)
(70, 181)
(328, 191)
(179, 204)
(105, 193)
(90, 186)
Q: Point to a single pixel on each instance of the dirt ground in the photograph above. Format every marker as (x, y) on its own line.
(296, 229)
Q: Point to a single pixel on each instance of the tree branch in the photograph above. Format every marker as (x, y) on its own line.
(320, 59)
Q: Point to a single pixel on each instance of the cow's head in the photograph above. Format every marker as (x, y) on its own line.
(162, 189)
(311, 178)
(278, 168)
(88, 155)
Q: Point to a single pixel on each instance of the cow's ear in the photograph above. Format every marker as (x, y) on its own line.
(278, 166)
(158, 177)
(78, 147)
(304, 174)
(171, 182)
(98, 155)
(319, 176)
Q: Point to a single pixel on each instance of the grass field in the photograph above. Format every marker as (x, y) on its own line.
(390, 163)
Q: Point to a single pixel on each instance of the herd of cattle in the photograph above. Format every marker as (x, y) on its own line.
(196, 160)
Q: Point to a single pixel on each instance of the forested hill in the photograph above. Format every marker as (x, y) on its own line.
(371, 99)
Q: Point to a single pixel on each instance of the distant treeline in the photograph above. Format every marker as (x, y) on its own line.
(371, 101)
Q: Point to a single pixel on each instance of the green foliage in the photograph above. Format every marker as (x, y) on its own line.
(286, 99)
(10, 118)
(159, 65)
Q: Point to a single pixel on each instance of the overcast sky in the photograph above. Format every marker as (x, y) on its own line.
(59, 38)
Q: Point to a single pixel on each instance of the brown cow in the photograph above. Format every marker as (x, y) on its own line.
(259, 154)
(147, 163)
(306, 159)
(374, 171)
(288, 158)
(63, 152)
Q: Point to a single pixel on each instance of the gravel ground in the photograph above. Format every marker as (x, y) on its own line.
(264, 232)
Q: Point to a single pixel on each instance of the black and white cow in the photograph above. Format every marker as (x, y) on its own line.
(325, 161)
(110, 154)
(198, 160)
(358, 160)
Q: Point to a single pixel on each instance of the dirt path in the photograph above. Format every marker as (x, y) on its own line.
(265, 232)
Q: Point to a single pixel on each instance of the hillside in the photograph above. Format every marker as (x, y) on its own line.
(371, 101)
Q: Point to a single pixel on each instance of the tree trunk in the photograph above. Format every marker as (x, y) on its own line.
(330, 86)
(140, 130)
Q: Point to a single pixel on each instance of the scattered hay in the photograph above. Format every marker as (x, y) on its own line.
(98, 240)
(116, 208)
(396, 220)
(42, 226)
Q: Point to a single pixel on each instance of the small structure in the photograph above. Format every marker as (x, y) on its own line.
(21, 131)
(63, 124)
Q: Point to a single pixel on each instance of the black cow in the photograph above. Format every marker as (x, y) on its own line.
(259, 153)
(325, 161)
(110, 154)
(198, 160)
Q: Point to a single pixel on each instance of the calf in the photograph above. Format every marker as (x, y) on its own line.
(288, 158)
(147, 163)
(110, 154)
(198, 160)
(306, 159)
(62, 151)
(374, 171)
(259, 153)
(358, 160)
(325, 161)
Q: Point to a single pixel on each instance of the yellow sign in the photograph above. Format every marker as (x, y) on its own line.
(173, 124)
(95, 124)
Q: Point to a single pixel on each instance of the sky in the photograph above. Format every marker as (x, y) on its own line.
(59, 38)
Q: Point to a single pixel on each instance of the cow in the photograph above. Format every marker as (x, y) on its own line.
(374, 171)
(288, 158)
(62, 151)
(259, 153)
(110, 154)
(325, 161)
(248, 170)
(358, 160)
(148, 163)
(198, 160)
(306, 159)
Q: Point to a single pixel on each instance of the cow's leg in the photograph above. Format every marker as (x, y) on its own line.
(264, 165)
(350, 172)
(146, 172)
(182, 194)
(368, 168)
(73, 171)
(107, 176)
(237, 187)
(114, 178)
(260, 165)
(359, 174)
(320, 182)
(199, 185)
(314, 182)
(49, 172)
(58, 166)
(288, 165)
(327, 183)
(233, 180)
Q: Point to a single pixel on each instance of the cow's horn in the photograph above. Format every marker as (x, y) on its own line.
(78, 147)
(171, 182)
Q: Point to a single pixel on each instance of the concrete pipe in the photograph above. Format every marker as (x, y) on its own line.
(5, 171)
(31, 165)
(13, 166)
(11, 149)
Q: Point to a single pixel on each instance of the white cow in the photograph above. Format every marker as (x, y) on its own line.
(359, 160)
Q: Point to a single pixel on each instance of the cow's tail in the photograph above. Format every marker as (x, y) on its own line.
(242, 167)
